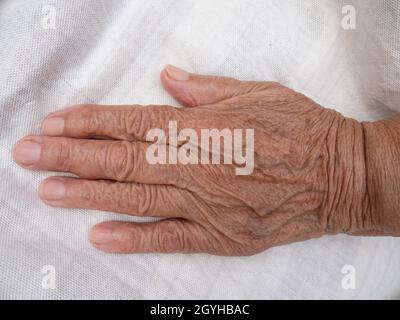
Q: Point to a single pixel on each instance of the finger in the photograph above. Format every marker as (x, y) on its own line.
(116, 122)
(129, 198)
(194, 90)
(165, 236)
(95, 159)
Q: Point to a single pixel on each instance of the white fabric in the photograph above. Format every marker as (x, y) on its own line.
(111, 52)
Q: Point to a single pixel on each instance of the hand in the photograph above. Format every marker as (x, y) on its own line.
(309, 176)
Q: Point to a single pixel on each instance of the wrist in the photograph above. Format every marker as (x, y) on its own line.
(382, 151)
(347, 202)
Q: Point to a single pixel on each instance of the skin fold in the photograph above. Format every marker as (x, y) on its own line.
(315, 171)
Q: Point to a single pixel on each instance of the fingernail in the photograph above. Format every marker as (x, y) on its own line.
(27, 152)
(177, 73)
(53, 126)
(52, 189)
(102, 235)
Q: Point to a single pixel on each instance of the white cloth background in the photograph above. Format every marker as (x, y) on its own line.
(111, 52)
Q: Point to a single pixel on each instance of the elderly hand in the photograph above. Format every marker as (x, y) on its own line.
(309, 176)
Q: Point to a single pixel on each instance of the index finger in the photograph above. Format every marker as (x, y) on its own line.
(130, 122)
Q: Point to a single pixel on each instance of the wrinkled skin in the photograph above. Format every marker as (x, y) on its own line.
(309, 179)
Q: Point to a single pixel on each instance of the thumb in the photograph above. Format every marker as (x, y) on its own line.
(194, 90)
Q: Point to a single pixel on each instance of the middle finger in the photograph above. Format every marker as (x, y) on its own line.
(96, 159)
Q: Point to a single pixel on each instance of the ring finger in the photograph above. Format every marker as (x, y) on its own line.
(129, 198)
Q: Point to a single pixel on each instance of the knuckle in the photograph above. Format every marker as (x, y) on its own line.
(182, 176)
(90, 120)
(89, 193)
(140, 119)
(119, 159)
(143, 198)
(133, 122)
(170, 237)
(63, 156)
